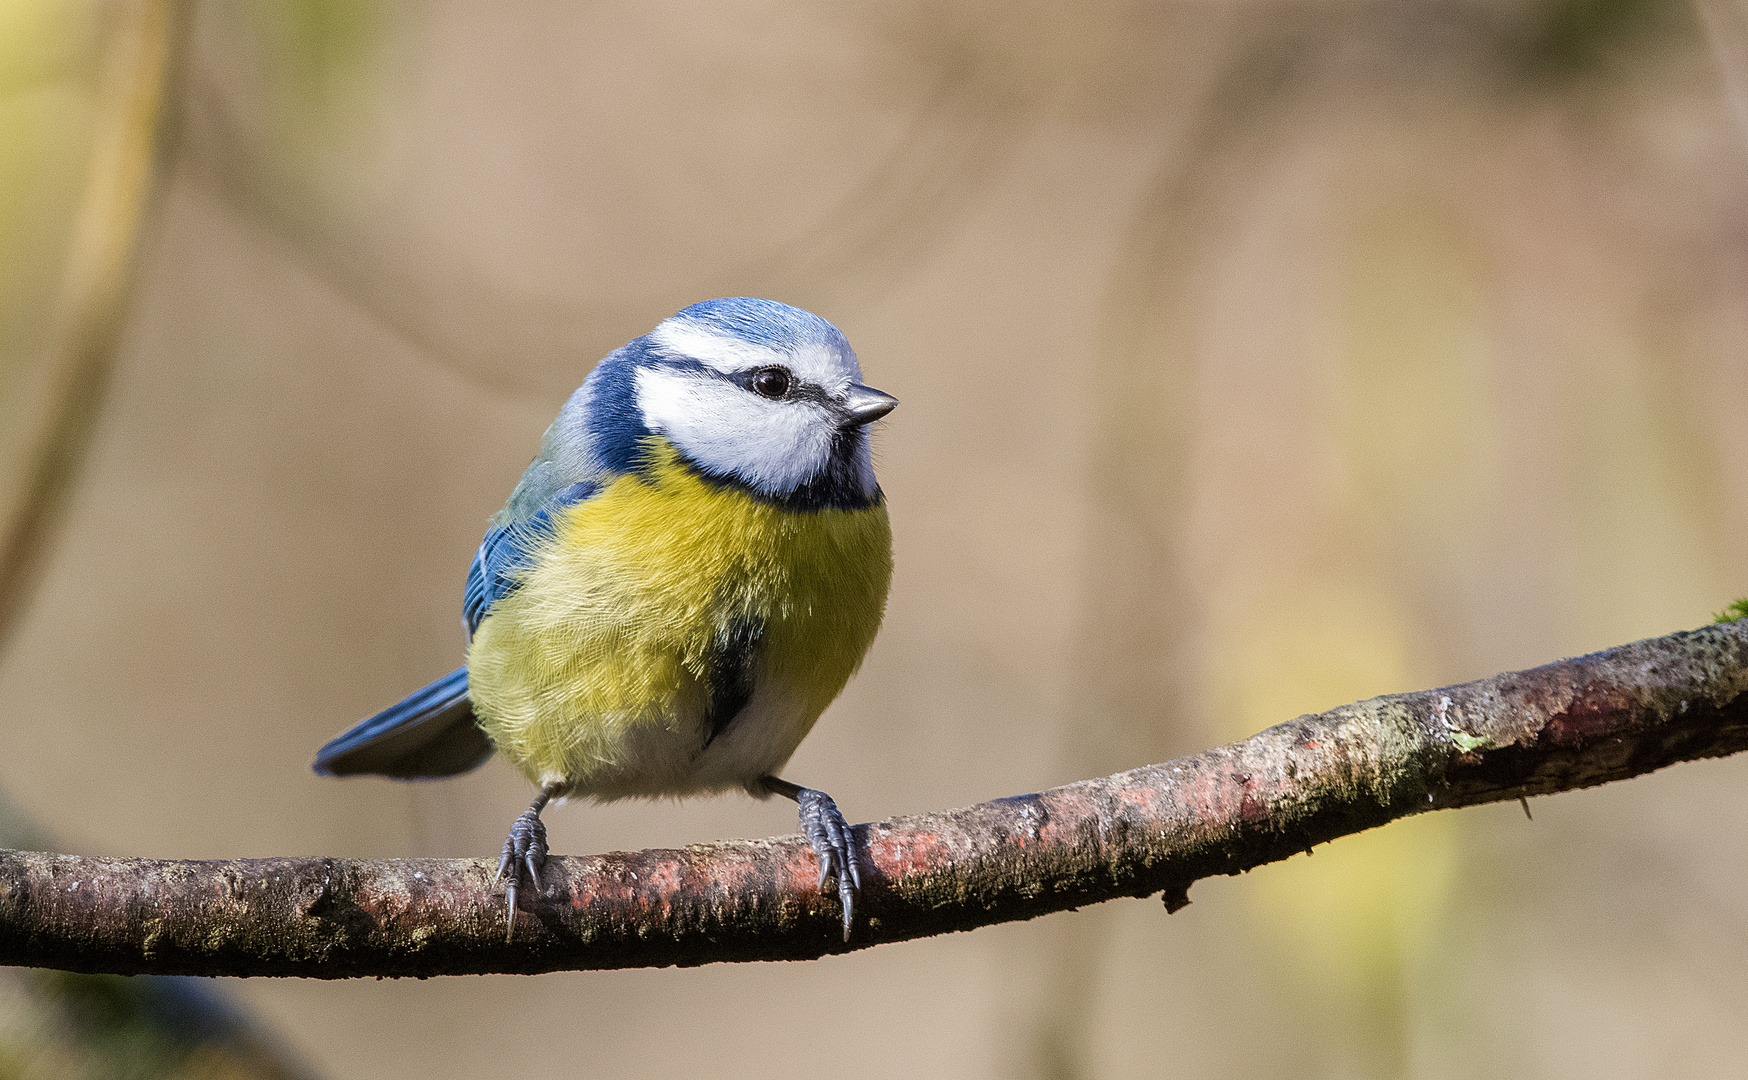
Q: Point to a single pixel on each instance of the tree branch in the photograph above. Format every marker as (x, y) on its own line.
(1574, 724)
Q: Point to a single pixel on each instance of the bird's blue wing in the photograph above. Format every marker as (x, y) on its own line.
(505, 552)
(432, 731)
(489, 577)
(429, 733)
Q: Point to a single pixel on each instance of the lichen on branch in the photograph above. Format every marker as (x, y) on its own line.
(1157, 829)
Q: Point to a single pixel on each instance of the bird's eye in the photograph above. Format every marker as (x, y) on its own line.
(771, 382)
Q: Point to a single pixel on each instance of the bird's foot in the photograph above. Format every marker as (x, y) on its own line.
(829, 835)
(524, 852)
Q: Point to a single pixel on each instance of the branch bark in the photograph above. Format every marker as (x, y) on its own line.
(1577, 723)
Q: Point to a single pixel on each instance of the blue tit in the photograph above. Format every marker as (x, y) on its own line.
(687, 574)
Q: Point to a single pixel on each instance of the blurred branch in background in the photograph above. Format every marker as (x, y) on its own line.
(1726, 29)
(57, 348)
(82, 88)
(1348, 130)
(1608, 716)
(282, 117)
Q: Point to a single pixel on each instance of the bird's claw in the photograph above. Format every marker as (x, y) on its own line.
(524, 852)
(831, 839)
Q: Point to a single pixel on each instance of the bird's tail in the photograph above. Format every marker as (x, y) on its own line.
(430, 733)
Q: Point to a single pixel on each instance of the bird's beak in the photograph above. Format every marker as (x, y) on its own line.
(864, 405)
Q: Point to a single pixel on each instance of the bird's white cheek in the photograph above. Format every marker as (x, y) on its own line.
(774, 446)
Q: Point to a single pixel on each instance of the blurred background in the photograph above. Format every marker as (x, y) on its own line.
(1256, 356)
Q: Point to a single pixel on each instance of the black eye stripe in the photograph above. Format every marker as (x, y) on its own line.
(794, 390)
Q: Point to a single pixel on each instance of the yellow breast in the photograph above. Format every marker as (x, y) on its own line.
(593, 672)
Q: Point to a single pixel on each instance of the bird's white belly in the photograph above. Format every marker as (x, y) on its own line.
(670, 757)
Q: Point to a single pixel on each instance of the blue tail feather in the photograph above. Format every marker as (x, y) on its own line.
(429, 733)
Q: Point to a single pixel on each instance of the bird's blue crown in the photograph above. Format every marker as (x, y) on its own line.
(766, 322)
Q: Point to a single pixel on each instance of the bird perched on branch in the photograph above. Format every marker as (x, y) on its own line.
(685, 577)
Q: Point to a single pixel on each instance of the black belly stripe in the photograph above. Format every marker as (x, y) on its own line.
(730, 674)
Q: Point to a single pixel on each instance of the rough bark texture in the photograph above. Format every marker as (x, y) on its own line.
(1573, 724)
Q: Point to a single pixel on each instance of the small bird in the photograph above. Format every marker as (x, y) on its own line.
(687, 574)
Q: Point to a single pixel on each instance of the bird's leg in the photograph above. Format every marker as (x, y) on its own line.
(830, 837)
(524, 850)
